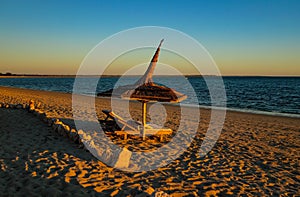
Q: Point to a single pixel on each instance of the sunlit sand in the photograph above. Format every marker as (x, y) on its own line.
(255, 155)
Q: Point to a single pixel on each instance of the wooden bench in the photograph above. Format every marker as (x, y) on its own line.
(156, 132)
(133, 130)
(125, 133)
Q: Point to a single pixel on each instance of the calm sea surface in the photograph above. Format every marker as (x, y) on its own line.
(254, 94)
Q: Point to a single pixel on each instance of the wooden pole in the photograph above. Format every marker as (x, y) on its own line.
(144, 117)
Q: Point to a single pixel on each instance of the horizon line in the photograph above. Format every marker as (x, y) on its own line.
(131, 75)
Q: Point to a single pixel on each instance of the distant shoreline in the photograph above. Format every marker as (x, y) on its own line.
(98, 76)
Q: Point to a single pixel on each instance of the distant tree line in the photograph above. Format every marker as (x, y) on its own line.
(7, 74)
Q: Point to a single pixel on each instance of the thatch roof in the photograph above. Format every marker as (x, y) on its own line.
(145, 89)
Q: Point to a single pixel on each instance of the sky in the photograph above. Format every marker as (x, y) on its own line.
(244, 37)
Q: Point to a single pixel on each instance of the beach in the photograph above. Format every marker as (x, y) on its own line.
(254, 155)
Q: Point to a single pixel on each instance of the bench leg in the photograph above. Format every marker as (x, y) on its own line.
(125, 136)
(161, 138)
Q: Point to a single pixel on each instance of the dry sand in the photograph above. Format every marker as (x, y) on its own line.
(255, 155)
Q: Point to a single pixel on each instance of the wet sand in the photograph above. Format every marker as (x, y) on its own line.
(254, 155)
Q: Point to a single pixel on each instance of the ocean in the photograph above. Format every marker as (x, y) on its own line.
(270, 95)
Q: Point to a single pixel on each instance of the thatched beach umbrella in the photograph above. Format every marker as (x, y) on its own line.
(145, 90)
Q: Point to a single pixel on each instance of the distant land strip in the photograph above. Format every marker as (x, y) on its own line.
(12, 75)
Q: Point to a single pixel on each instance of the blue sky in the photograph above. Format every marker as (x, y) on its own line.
(244, 37)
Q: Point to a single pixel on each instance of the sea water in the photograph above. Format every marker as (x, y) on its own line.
(272, 95)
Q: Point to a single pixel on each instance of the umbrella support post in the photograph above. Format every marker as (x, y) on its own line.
(144, 116)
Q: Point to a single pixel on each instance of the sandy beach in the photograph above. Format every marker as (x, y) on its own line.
(255, 155)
